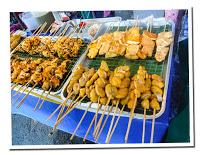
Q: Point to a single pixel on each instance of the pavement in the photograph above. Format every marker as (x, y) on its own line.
(26, 131)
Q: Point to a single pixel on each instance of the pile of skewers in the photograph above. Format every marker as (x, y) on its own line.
(14, 40)
(132, 44)
(108, 89)
(45, 74)
(64, 47)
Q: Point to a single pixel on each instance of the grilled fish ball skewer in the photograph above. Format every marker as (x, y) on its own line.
(111, 91)
(155, 106)
(77, 74)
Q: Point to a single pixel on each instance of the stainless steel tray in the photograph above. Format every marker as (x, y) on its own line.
(70, 67)
(164, 71)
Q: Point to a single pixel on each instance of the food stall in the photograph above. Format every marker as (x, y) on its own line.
(106, 80)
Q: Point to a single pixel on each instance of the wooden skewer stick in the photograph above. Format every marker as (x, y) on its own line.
(62, 110)
(153, 124)
(18, 91)
(104, 123)
(38, 100)
(45, 98)
(93, 119)
(100, 120)
(26, 86)
(13, 86)
(54, 32)
(41, 29)
(116, 123)
(36, 29)
(48, 30)
(112, 121)
(66, 113)
(130, 120)
(65, 101)
(81, 121)
(21, 102)
(144, 125)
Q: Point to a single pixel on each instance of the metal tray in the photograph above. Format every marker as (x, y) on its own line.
(23, 55)
(151, 65)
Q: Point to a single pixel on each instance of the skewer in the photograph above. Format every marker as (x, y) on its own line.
(48, 29)
(13, 86)
(26, 86)
(64, 102)
(38, 100)
(115, 125)
(67, 112)
(45, 98)
(93, 119)
(144, 122)
(101, 118)
(36, 29)
(130, 120)
(18, 91)
(153, 124)
(104, 123)
(80, 121)
(21, 102)
(112, 121)
(41, 29)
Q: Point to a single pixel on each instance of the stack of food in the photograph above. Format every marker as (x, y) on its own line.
(163, 42)
(107, 87)
(63, 47)
(44, 73)
(131, 44)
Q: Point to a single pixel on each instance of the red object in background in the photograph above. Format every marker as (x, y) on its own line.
(82, 24)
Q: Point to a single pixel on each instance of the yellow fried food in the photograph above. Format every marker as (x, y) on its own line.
(101, 82)
(82, 92)
(115, 81)
(156, 90)
(102, 73)
(104, 66)
(99, 91)
(122, 93)
(156, 77)
(148, 84)
(114, 101)
(91, 81)
(154, 104)
(76, 88)
(145, 104)
(93, 96)
(125, 100)
(157, 83)
(125, 83)
(103, 100)
(111, 91)
(146, 95)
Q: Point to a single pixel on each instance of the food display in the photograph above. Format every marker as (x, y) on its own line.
(46, 73)
(113, 87)
(62, 47)
(131, 44)
(121, 73)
